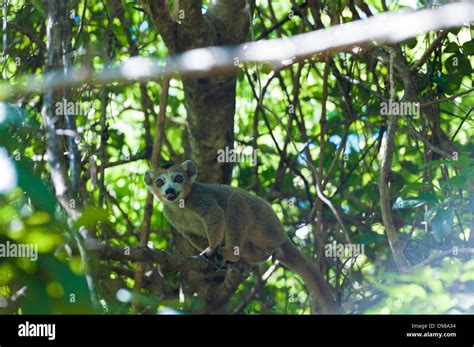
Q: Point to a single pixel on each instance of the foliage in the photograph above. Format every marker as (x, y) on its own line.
(432, 197)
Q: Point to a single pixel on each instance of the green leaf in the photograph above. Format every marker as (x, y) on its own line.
(411, 43)
(287, 184)
(463, 162)
(458, 181)
(453, 83)
(440, 79)
(442, 224)
(410, 166)
(413, 202)
(33, 185)
(373, 237)
(468, 47)
(91, 216)
(455, 31)
(266, 149)
(37, 4)
(431, 163)
(458, 64)
(38, 218)
(452, 47)
(41, 294)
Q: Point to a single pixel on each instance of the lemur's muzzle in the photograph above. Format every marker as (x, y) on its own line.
(170, 194)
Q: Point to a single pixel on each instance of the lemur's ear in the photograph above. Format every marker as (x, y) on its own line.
(190, 168)
(148, 177)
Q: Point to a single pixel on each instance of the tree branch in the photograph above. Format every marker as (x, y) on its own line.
(168, 261)
(430, 50)
(158, 12)
(387, 154)
(232, 19)
(193, 21)
(439, 256)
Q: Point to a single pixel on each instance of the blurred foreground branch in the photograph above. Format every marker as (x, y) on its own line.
(389, 27)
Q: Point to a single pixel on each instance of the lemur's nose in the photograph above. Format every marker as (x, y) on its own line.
(169, 191)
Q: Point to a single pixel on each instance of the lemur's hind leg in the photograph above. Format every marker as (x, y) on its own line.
(236, 228)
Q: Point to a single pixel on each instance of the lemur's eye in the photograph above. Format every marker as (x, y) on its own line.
(178, 179)
(159, 182)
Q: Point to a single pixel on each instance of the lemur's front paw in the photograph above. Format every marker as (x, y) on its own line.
(215, 257)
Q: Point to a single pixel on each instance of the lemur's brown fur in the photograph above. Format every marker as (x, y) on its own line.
(243, 225)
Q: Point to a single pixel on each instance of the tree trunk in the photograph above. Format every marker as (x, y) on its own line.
(210, 102)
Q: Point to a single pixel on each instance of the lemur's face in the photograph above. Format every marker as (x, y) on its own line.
(171, 183)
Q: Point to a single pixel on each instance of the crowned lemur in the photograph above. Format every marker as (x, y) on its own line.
(236, 223)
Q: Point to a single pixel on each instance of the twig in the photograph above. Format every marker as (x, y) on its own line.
(420, 137)
(31, 35)
(430, 50)
(282, 21)
(4, 38)
(322, 157)
(104, 131)
(454, 96)
(114, 200)
(103, 142)
(125, 161)
(81, 23)
(351, 171)
(462, 122)
(73, 149)
(325, 199)
(155, 159)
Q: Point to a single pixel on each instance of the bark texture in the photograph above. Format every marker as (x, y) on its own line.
(210, 102)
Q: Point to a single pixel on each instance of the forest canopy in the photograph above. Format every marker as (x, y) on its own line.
(363, 150)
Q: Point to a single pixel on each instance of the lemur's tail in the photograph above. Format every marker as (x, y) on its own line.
(291, 256)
